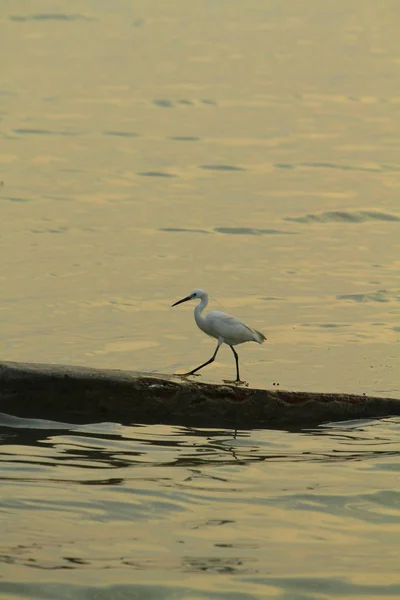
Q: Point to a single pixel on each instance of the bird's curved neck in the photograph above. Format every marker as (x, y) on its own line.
(199, 309)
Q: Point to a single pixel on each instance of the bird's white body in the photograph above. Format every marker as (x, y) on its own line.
(226, 329)
(218, 324)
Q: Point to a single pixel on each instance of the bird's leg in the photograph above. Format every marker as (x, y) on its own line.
(235, 354)
(206, 363)
(237, 380)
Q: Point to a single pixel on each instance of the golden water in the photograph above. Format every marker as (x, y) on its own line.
(251, 149)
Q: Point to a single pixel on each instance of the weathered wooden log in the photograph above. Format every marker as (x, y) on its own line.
(84, 395)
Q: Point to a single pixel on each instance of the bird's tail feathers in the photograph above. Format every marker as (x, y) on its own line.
(260, 337)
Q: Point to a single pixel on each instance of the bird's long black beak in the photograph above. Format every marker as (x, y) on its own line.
(183, 300)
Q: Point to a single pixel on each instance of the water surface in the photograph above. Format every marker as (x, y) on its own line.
(250, 149)
(123, 512)
(147, 150)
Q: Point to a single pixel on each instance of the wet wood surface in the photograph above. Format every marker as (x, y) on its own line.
(83, 395)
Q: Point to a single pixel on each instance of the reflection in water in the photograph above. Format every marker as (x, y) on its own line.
(175, 502)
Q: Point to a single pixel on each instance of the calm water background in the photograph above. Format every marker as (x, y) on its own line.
(252, 149)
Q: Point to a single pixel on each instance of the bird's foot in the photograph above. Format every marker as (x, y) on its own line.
(236, 382)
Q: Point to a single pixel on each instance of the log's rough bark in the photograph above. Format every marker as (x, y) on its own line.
(83, 395)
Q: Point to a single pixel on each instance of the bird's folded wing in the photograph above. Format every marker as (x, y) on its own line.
(228, 327)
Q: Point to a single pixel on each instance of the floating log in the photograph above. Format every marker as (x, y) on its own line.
(84, 395)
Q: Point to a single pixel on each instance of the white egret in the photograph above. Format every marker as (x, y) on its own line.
(226, 329)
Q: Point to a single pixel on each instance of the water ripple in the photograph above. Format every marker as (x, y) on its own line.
(182, 230)
(344, 216)
(27, 131)
(378, 296)
(251, 231)
(221, 168)
(127, 134)
(104, 499)
(156, 174)
(337, 166)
